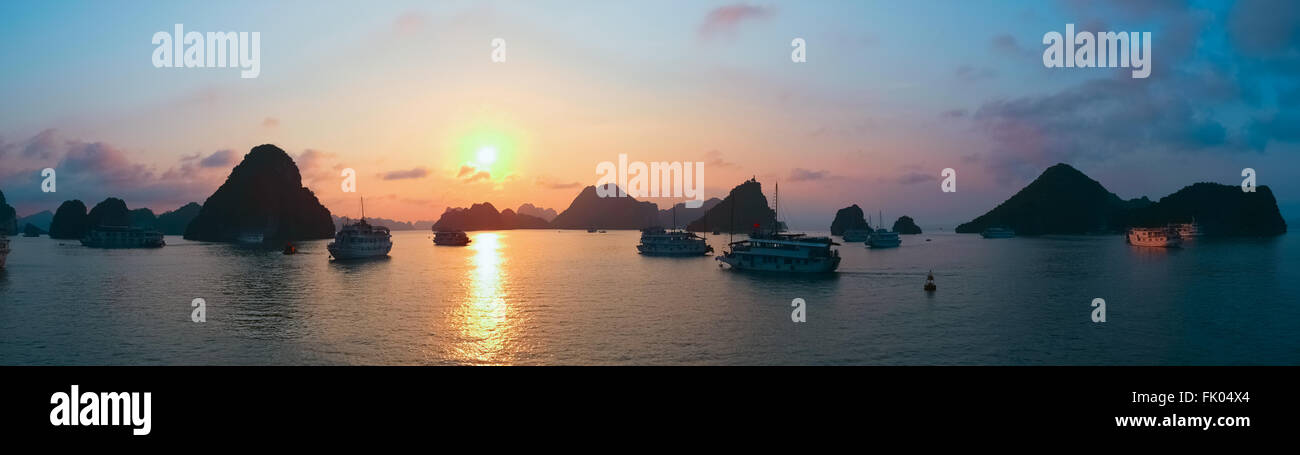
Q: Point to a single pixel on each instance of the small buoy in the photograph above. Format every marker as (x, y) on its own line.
(290, 249)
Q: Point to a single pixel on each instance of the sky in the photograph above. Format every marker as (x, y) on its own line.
(407, 95)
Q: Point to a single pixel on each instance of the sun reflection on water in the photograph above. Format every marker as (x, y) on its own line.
(485, 318)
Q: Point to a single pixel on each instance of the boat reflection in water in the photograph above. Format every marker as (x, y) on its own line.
(486, 323)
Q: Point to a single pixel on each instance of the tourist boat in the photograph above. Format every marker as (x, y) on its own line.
(660, 242)
(883, 238)
(361, 240)
(122, 237)
(1187, 230)
(450, 238)
(591, 231)
(856, 234)
(4, 250)
(777, 251)
(998, 232)
(781, 252)
(929, 282)
(1165, 237)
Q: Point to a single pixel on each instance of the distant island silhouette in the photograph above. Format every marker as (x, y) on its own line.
(40, 220)
(539, 212)
(1062, 200)
(485, 217)
(850, 217)
(391, 224)
(906, 225)
(590, 211)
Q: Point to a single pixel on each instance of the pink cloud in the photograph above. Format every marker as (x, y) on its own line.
(724, 20)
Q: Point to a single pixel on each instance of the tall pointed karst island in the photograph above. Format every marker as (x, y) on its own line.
(590, 211)
(263, 195)
(744, 208)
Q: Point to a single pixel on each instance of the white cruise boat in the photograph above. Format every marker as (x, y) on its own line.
(998, 232)
(450, 238)
(4, 250)
(361, 240)
(780, 252)
(883, 238)
(1154, 237)
(659, 242)
(122, 237)
(856, 234)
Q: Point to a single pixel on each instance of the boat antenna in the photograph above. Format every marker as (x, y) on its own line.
(776, 227)
(363, 208)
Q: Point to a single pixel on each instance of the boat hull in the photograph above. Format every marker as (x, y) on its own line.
(673, 251)
(358, 253)
(110, 244)
(1156, 243)
(816, 265)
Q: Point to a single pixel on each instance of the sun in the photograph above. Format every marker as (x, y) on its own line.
(486, 155)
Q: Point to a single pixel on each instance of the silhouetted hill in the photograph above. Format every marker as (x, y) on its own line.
(848, 218)
(532, 210)
(484, 217)
(1220, 210)
(905, 225)
(588, 210)
(70, 221)
(8, 217)
(1061, 200)
(750, 208)
(175, 221)
(144, 219)
(521, 221)
(684, 214)
(109, 212)
(40, 219)
(30, 229)
(264, 193)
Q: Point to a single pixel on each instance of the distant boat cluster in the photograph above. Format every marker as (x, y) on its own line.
(122, 237)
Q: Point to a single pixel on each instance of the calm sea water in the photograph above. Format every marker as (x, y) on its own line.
(548, 297)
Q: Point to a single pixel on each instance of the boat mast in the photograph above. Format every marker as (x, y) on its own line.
(731, 229)
(776, 228)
